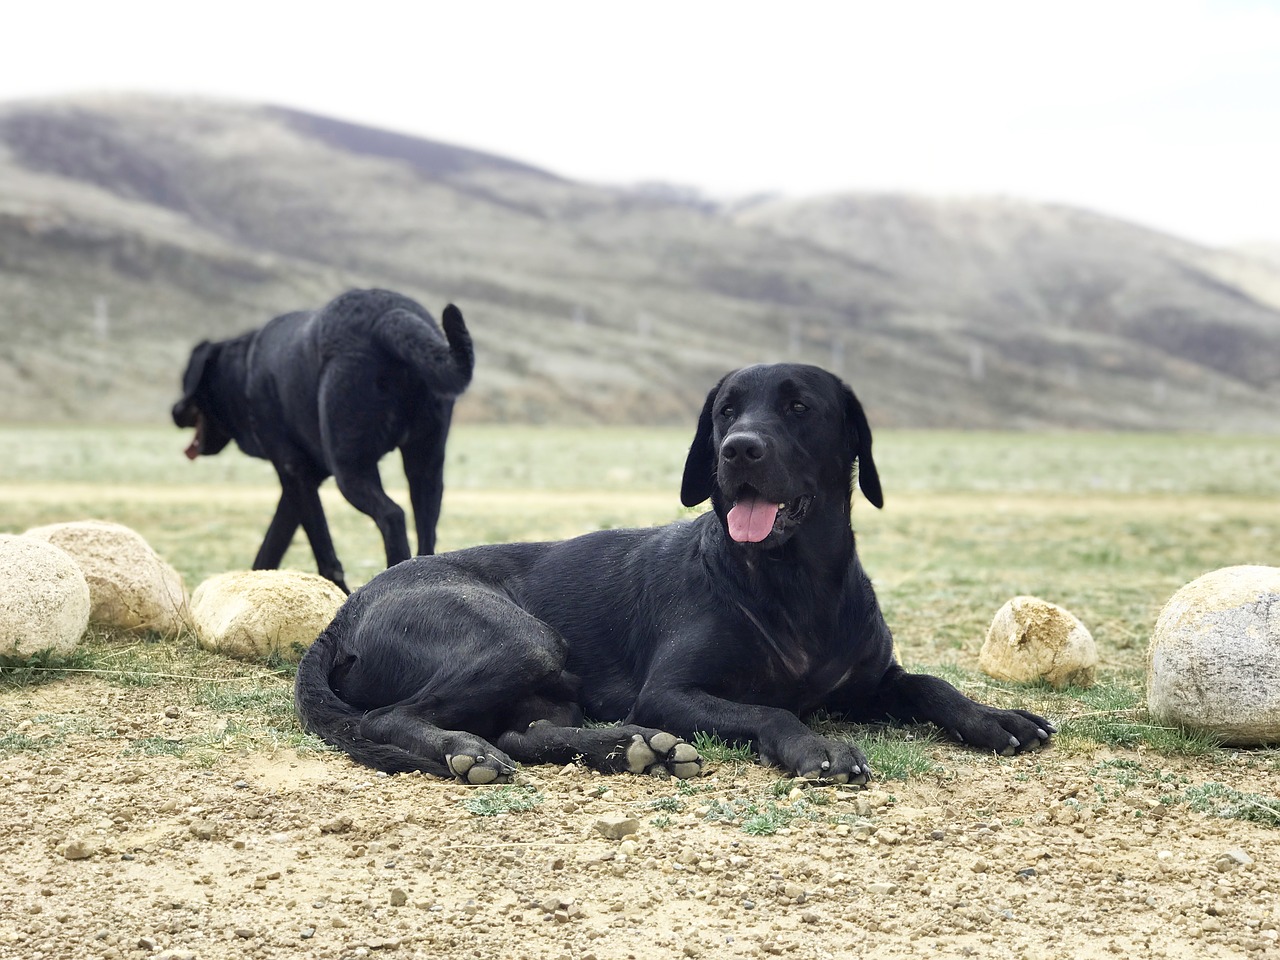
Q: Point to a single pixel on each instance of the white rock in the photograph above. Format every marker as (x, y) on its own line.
(263, 613)
(130, 587)
(1031, 639)
(1214, 659)
(44, 599)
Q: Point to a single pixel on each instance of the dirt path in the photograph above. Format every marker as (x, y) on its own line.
(115, 853)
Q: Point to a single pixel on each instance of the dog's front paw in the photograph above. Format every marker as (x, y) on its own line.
(1005, 732)
(653, 750)
(827, 761)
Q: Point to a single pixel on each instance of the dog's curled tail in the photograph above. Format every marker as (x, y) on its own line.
(444, 367)
(324, 713)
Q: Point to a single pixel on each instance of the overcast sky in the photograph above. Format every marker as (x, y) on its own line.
(1164, 112)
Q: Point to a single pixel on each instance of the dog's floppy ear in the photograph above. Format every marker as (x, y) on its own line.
(183, 410)
(200, 357)
(860, 436)
(700, 466)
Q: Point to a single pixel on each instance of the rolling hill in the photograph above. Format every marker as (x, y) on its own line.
(132, 227)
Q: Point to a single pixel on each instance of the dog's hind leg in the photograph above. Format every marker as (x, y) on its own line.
(423, 456)
(362, 486)
(426, 747)
(615, 749)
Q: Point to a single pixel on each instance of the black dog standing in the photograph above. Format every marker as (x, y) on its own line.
(739, 623)
(328, 393)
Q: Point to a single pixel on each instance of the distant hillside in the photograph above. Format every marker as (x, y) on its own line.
(130, 227)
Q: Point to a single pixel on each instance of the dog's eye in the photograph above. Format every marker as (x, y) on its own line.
(727, 412)
(798, 407)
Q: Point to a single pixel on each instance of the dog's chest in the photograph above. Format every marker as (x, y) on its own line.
(800, 657)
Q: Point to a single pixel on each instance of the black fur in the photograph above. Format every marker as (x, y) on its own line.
(445, 663)
(329, 393)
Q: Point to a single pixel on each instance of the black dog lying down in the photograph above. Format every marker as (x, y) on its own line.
(738, 623)
(328, 393)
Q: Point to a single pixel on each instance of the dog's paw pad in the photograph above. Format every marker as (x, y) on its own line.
(481, 774)
(685, 771)
(662, 743)
(461, 763)
(684, 753)
(639, 756)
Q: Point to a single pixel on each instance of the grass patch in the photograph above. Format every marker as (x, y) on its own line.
(1228, 803)
(44, 667)
(508, 798)
(716, 750)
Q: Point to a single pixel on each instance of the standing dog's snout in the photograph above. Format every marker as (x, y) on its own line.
(747, 447)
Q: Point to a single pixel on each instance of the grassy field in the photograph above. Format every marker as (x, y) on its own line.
(1105, 525)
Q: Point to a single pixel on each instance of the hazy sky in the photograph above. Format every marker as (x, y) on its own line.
(1165, 112)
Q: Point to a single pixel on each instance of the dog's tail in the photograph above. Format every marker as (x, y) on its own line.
(324, 713)
(443, 366)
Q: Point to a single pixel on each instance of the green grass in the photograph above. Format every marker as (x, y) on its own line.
(508, 798)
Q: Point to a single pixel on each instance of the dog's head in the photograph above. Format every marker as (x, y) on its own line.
(774, 444)
(195, 409)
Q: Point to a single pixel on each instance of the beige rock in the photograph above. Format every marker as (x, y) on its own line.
(1031, 639)
(263, 613)
(130, 587)
(44, 599)
(1214, 659)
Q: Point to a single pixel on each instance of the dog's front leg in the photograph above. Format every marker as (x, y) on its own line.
(778, 735)
(919, 698)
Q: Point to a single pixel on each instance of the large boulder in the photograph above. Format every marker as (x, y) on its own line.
(44, 599)
(1214, 660)
(130, 587)
(1032, 639)
(256, 614)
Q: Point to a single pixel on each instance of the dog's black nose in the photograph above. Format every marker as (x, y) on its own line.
(747, 446)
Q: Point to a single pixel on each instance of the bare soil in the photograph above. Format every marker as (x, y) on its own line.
(271, 853)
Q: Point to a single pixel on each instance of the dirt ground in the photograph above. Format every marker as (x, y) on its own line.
(274, 854)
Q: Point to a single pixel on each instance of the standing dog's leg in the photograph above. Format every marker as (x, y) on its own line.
(362, 487)
(279, 535)
(423, 456)
(300, 499)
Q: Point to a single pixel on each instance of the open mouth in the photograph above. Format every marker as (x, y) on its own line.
(753, 518)
(194, 447)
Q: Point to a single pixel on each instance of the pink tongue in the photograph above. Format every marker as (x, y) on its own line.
(750, 521)
(193, 449)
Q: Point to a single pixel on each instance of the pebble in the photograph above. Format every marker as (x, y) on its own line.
(882, 888)
(398, 897)
(172, 712)
(1232, 860)
(615, 827)
(204, 829)
(78, 849)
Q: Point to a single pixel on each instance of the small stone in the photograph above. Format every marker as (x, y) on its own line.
(244, 933)
(793, 890)
(979, 866)
(204, 829)
(628, 848)
(882, 889)
(78, 849)
(172, 712)
(147, 943)
(398, 897)
(1232, 860)
(615, 827)
(307, 933)
(1027, 872)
